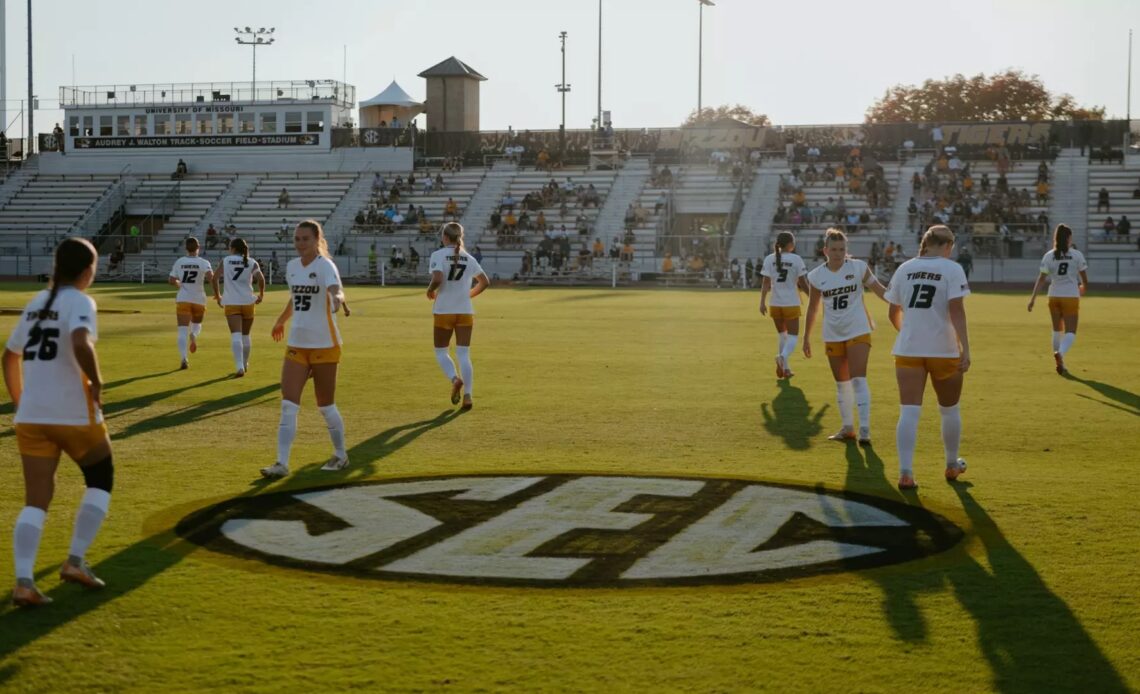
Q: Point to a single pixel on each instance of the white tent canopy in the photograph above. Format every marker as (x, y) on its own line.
(394, 95)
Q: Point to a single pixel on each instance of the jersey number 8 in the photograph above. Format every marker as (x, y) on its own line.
(1063, 269)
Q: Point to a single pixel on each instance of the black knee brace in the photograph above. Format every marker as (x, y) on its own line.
(101, 475)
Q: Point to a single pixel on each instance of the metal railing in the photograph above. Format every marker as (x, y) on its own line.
(217, 94)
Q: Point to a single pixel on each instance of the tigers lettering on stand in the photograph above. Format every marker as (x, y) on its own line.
(571, 530)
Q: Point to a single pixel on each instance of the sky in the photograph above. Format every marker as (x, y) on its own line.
(800, 62)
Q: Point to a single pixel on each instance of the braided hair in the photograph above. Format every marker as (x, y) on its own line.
(453, 232)
(73, 255)
(241, 247)
(783, 239)
(1062, 240)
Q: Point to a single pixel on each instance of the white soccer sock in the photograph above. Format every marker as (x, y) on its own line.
(286, 430)
(845, 395)
(1056, 341)
(789, 346)
(862, 401)
(951, 432)
(246, 349)
(195, 330)
(236, 348)
(183, 340)
(336, 429)
(906, 436)
(445, 362)
(88, 520)
(780, 345)
(26, 541)
(1067, 343)
(463, 354)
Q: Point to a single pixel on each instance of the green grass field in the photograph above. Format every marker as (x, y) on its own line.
(1042, 594)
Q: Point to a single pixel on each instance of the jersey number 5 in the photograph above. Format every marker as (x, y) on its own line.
(1063, 269)
(456, 272)
(189, 276)
(46, 339)
(922, 296)
(302, 303)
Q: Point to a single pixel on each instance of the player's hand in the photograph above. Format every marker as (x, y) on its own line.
(278, 331)
(258, 299)
(964, 362)
(96, 390)
(807, 350)
(218, 299)
(1031, 305)
(763, 310)
(347, 312)
(1083, 288)
(431, 295)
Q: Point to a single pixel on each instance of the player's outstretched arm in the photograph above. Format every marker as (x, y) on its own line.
(1036, 288)
(279, 327)
(765, 287)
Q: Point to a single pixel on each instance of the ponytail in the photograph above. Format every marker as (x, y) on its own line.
(782, 239)
(453, 232)
(937, 235)
(72, 256)
(242, 248)
(1062, 240)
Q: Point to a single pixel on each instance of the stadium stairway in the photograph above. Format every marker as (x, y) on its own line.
(357, 196)
(16, 182)
(752, 233)
(626, 190)
(478, 213)
(1069, 204)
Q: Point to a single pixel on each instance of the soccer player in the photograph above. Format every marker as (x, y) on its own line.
(838, 284)
(783, 273)
(239, 273)
(1062, 265)
(313, 347)
(452, 271)
(927, 296)
(52, 375)
(190, 274)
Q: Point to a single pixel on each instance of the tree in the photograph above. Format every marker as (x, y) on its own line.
(1010, 95)
(739, 112)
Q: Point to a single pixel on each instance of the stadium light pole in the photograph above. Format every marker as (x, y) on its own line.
(701, 49)
(599, 63)
(249, 37)
(29, 143)
(562, 88)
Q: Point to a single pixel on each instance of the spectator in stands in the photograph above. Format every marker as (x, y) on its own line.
(524, 221)
(425, 225)
(211, 237)
(496, 219)
(414, 258)
(411, 216)
(117, 257)
(394, 193)
(911, 214)
(1136, 192)
(179, 171)
(283, 199)
(599, 248)
(540, 222)
(667, 263)
(1042, 191)
(395, 124)
(429, 183)
(1102, 200)
(510, 222)
(615, 249)
(507, 203)
(283, 231)
(966, 260)
(451, 209)
(1123, 228)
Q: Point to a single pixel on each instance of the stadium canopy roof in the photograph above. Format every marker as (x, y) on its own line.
(393, 95)
(452, 67)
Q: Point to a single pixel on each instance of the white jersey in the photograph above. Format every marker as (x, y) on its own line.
(191, 272)
(844, 315)
(924, 287)
(1063, 272)
(237, 283)
(56, 391)
(454, 294)
(314, 323)
(784, 278)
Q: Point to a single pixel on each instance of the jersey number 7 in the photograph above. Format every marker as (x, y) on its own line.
(237, 273)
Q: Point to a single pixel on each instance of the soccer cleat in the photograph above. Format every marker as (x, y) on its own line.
(843, 435)
(82, 575)
(865, 437)
(467, 404)
(239, 374)
(1060, 363)
(907, 483)
(193, 343)
(335, 464)
(779, 368)
(955, 469)
(275, 471)
(185, 365)
(29, 597)
(456, 390)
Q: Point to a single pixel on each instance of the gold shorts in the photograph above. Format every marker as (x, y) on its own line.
(47, 440)
(311, 356)
(784, 312)
(839, 349)
(940, 368)
(1065, 305)
(196, 311)
(451, 321)
(245, 311)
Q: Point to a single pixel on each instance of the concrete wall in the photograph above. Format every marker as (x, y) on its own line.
(223, 160)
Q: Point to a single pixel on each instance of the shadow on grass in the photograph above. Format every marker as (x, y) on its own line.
(1131, 401)
(790, 417)
(365, 455)
(218, 407)
(1031, 639)
(133, 379)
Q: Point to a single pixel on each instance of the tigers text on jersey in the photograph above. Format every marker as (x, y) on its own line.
(844, 315)
(454, 295)
(314, 324)
(191, 272)
(1063, 270)
(238, 280)
(55, 388)
(784, 279)
(923, 287)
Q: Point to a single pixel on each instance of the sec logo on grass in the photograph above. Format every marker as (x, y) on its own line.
(571, 530)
